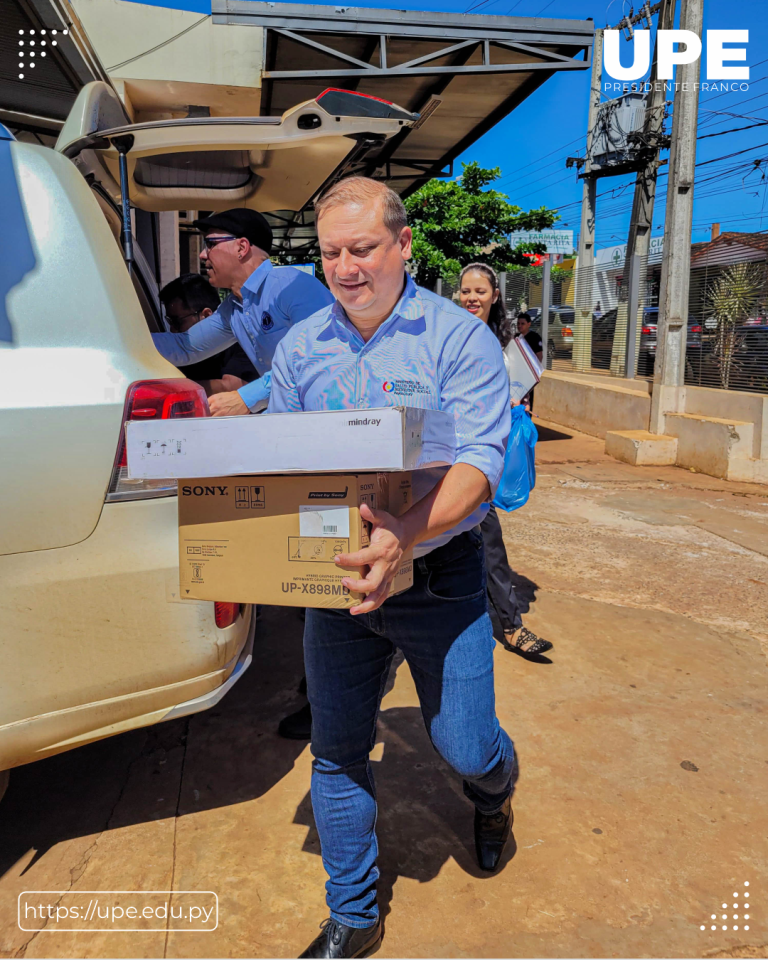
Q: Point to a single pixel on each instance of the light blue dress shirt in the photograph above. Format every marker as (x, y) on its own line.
(274, 298)
(429, 353)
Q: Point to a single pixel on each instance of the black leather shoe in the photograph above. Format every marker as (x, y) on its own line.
(491, 833)
(297, 726)
(338, 940)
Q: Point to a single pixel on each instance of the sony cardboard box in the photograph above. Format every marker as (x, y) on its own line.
(273, 539)
(347, 441)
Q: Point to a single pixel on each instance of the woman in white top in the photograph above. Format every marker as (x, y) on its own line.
(479, 294)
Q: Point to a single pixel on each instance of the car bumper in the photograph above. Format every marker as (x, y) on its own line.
(96, 639)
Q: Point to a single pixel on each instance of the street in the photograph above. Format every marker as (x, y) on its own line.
(642, 742)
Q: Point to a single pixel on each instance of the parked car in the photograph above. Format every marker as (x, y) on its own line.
(96, 639)
(562, 320)
(751, 365)
(604, 328)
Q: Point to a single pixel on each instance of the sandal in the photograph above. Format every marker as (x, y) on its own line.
(526, 636)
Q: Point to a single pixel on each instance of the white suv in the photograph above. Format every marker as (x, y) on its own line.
(94, 638)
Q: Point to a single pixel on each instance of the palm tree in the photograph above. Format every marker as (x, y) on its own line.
(730, 299)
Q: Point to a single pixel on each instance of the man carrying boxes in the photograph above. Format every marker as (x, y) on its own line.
(388, 342)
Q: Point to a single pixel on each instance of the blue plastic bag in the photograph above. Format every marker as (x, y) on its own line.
(519, 476)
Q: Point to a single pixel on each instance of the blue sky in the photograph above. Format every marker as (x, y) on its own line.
(531, 144)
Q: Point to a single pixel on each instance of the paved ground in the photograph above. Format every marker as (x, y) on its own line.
(644, 749)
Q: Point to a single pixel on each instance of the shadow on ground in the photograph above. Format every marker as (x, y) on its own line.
(424, 818)
(94, 788)
(547, 433)
(232, 754)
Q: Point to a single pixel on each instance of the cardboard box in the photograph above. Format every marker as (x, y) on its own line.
(324, 441)
(523, 368)
(272, 539)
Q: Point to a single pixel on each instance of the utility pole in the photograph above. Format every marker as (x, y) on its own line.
(546, 302)
(668, 391)
(583, 300)
(641, 221)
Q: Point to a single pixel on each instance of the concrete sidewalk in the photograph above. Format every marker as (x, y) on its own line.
(643, 744)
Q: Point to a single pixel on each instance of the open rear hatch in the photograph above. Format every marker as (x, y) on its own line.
(271, 164)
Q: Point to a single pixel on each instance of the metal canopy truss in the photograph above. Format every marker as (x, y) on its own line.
(462, 73)
(538, 59)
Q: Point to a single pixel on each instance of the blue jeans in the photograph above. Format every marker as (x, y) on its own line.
(442, 627)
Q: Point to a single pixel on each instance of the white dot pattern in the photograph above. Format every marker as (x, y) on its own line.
(31, 43)
(703, 926)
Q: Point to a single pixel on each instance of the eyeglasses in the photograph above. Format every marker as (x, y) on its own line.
(210, 242)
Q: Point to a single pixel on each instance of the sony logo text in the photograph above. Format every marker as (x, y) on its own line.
(204, 491)
(690, 51)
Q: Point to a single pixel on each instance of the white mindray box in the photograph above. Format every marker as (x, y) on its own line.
(380, 439)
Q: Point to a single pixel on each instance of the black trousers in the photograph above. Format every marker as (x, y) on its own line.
(501, 591)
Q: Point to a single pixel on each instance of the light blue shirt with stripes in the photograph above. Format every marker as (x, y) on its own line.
(274, 298)
(428, 353)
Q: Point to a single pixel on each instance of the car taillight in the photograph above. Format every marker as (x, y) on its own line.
(226, 613)
(648, 330)
(695, 329)
(153, 400)
(567, 332)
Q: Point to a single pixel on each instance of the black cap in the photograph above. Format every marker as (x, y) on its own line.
(241, 222)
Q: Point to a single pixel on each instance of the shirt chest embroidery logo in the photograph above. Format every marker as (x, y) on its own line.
(266, 321)
(404, 388)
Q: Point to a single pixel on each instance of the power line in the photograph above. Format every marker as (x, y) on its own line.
(757, 96)
(616, 192)
(730, 116)
(531, 192)
(722, 133)
(542, 182)
(534, 173)
(160, 45)
(728, 156)
(726, 92)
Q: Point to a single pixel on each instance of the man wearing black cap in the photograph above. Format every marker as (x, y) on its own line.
(264, 304)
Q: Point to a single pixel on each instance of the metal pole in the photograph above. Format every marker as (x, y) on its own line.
(641, 220)
(503, 289)
(439, 286)
(633, 305)
(668, 395)
(582, 339)
(546, 296)
(123, 145)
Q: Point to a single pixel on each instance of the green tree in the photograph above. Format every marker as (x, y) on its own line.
(456, 222)
(729, 300)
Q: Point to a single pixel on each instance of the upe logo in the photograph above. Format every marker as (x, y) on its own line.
(266, 322)
(387, 386)
(690, 51)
